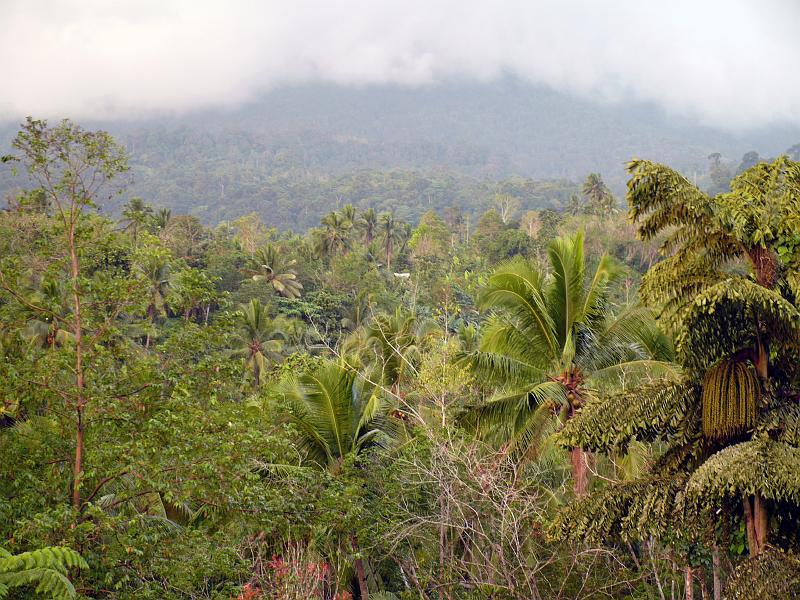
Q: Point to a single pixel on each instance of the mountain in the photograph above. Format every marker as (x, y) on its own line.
(297, 152)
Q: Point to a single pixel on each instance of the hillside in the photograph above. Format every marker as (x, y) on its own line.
(298, 152)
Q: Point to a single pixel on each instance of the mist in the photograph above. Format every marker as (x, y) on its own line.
(730, 65)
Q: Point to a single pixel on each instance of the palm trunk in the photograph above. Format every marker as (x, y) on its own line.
(715, 568)
(761, 522)
(580, 471)
(689, 579)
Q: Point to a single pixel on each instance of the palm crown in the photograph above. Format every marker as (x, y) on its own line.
(551, 342)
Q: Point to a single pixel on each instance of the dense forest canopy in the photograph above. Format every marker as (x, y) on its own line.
(550, 393)
(299, 152)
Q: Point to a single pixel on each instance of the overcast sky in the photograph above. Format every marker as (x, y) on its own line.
(732, 63)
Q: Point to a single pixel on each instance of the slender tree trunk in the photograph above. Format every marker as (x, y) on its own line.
(689, 579)
(756, 521)
(761, 521)
(80, 398)
(361, 574)
(715, 568)
(580, 471)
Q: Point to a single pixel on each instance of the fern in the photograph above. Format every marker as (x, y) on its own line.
(46, 569)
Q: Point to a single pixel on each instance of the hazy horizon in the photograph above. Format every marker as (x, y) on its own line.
(108, 61)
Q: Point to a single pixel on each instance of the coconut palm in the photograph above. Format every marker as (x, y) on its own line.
(390, 231)
(551, 342)
(367, 223)
(600, 200)
(393, 344)
(161, 219)
(260, 339)
(339, 414)
(334, 235)
(348, 214)
(268, 265)
(154, 266)
(135, 216)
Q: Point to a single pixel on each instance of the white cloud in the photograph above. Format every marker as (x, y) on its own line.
(730, 63)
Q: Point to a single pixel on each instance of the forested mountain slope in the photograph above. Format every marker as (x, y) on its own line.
(299, 152)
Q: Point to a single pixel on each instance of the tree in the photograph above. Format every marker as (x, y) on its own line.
(575, 206)
(339, 415)
(268, 265)
(46, 568)
(599, 199)
(507, 206)
(161, 219)
(367, 223)
(395, 340)
(391, 234)
(136, 215)
(727, 288)
(152, 262)
(348, 213)
(260, 339)
(551, 341)
(333, 238)
(76, 169)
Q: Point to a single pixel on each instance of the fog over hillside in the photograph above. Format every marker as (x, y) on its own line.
(219, 164)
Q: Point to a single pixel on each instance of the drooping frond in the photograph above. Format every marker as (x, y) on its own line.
(674, 283)
(771, 574)
(644, 413)
(783, 424)
(763, 466)
(513, 416)
(660, 198)
(724, 319)
(632, 510)
(517, 287)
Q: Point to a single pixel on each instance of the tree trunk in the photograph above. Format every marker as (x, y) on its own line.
(361, 575)
(80, 399)
(689, 579)
(580, 471)
(752, 541)
(761, 521)
(715, 568)
(756, 517)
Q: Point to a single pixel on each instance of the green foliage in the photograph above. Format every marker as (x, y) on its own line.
(46, 569)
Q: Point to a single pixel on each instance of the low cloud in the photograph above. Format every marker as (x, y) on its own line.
(729, 64)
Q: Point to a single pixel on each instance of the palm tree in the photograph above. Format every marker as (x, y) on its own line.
(348, 214)
(600, 200)
(333, 237)
(574, 205)
(135, 216)
(154, 267)
(368, 224)
(391, 233)
(260, 339)
(267, 265)
(339, 414)
(551, 341)
(162, 218)
(46, 326)
(394, 342)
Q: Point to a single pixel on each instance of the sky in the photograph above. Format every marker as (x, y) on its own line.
(730, 64)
